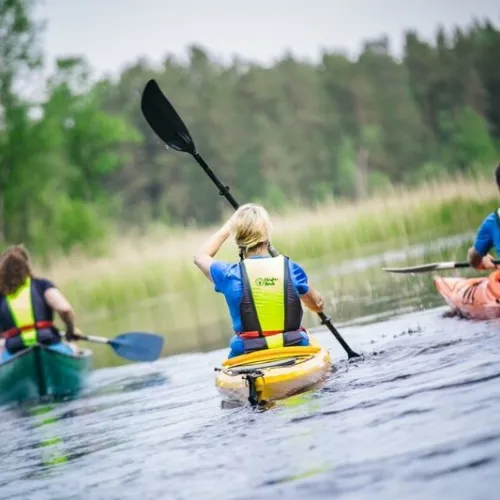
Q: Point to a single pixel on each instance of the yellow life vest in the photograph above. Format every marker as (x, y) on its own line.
(21, 309)
(270, 308)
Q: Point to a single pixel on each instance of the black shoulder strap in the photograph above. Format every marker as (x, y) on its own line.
(293, 306)
(38, 302)
(286, 288)
(248, 312)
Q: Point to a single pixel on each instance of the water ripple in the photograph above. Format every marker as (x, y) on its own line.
(418, 418)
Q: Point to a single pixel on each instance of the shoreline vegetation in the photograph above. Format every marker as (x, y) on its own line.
(151, 283)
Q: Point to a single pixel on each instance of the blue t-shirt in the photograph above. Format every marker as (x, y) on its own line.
(227, 280)
(488, 235)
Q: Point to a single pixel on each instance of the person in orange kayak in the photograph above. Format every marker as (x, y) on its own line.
(27, 306)
(264, 294)
(487, 237)
(477, 298)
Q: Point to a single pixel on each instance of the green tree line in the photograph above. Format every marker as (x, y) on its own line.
(80, 161)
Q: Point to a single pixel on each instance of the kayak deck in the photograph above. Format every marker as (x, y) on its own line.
(38, 373)
(272, 374)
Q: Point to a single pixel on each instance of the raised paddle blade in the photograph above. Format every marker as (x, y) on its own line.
(164, 120)
(138, 346)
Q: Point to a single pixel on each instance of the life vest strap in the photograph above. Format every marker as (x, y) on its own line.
(255, 334)
(274, 341)
(39, 325)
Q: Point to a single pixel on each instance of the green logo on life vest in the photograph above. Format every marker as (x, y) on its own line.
(265, 281)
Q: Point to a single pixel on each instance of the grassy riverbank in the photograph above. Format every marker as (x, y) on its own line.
(151, 284)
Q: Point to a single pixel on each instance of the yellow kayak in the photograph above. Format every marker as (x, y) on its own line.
(264, 376)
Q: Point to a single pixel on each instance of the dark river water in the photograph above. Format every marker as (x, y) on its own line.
(418, 418)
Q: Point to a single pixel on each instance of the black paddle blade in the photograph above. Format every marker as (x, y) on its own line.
(138, 346)
(164, 120)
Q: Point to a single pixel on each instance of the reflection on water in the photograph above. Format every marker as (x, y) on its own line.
(50, 444)
(420, 251)
(363, 293)
(134, 384)
(418, 418)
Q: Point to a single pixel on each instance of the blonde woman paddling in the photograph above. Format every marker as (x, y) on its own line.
(27, 306)
(264, 294)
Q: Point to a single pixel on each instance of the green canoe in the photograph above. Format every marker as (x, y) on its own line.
(39, 372)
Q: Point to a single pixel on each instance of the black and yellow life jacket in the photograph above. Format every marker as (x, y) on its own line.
(270, 308)
(27, 330)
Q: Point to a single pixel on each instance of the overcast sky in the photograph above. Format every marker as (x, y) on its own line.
(111, 33)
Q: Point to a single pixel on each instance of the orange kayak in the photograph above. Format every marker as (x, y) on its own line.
(475, 298)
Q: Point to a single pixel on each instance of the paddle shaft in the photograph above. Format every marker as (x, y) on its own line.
(92, 338)
(457, 265)
(224, 191)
